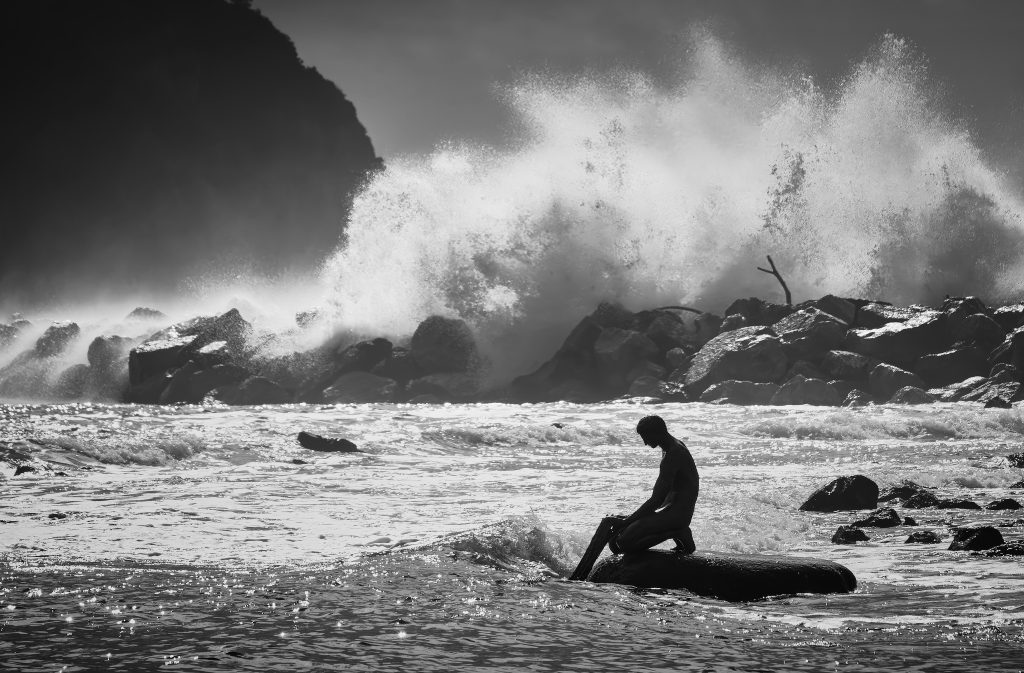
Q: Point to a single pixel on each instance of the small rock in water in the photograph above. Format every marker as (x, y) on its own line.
(1005, 503)
(978, 538)
(921, 499)
(882, 518)
(909, 521)
(923, 537)
(902, 491)
(22, 469)
(958, 504)
(1015, 548)
(844, 493)
(1016, 460)
(328, 444)
(849, 535)
(57, 515)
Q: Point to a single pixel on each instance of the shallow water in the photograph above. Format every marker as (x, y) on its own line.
(192, 538)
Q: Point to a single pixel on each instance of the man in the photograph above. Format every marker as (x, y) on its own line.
(667, 513)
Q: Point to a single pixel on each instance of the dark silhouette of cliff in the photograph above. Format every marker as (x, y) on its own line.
(146, 140)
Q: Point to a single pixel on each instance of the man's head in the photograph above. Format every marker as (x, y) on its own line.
(652, 430)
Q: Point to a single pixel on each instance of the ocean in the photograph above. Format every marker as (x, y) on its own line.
(206, 538)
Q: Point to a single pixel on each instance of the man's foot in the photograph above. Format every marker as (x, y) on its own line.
(683, 547)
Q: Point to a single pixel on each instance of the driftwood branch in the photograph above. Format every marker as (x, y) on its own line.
(679, 308)
(775, 272)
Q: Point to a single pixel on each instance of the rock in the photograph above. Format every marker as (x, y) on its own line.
(757, 311)
(255, 390)
(326, 444)
(740, 392)
(844, 493)
(400, 366)
(109, 352)
(951, 366)
(1019, 484)
(731, 577)
(901, 343)
(213, 354)
(748, 353)
(1015, 548)
(844, 388)
(143, 313)
(920, 500)
(955, 391)
(649, 386)
(885, 517)
(668, 331)
(149, 391)
(190, 384)
(1005, 503)
(806, 369)
(617, 351)
(1009, 317)
(847, 366)
(1009, 391)
(997, 403)
(678, 358)
(857, 398)
(56, 339)
(911, 395)
(977, 538)
(923, 537)
(356, 387)
(809, 334)
(646, 369)
(872, 315)
(884, 380)
(901, 491)
(229, 326)
(843, 310)
(799, 390)
(909, 521)
(978, 330)
(573, 364)
(957, 503)
(448, 386)
(609, 314)
(426, 399)
(177, 389)
(442, 344)
(362, 356)
(849, 535)
(155, 357)
(1010, 351)
(733, 322)
(73, 383)
(1016, 459)
(22, 469)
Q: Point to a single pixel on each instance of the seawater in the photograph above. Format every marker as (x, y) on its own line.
(206, 538)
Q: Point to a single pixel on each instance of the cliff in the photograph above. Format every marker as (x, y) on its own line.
(147, 140)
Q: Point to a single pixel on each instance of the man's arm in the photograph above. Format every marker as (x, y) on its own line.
(661, 491)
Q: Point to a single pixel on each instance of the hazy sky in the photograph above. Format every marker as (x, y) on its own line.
(423, 71)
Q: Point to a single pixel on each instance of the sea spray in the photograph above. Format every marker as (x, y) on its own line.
(620, 188)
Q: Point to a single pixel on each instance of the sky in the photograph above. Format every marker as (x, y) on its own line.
(421, 72)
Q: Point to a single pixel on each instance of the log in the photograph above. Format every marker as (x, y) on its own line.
(604, 533)
(731, 577)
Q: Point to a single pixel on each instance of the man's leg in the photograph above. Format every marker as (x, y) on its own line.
(643, 534)
(684, 542)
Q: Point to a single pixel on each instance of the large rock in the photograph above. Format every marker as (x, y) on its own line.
(399, 366)
(884, 380)
(740, 392)
(885, 517)
(849, 535)
(572, 365)
(442, 344)
(911, 395)
(921, 500)
(731, 577)
(356, 387)
(447, 386)
(809, 333)
(1010, 351)
(1003, 503)
(800, 390)
(229, 326)
(844, 493)
(649, 386)
(977, 329)
(109, 352)
(951, 366)
(56, 339)
(155, 357)
(74, 382)
(976, 538)
(871, 315)
(255, 390)
(923, 537)
(955, 391)
(362, 356)
(843, 310)
(847, 366)
(1010, 391)
(748, 354)
(1009, 317)
(901, 343)
(617, 351)
(901, 491)
(758, 311)
(191, 384)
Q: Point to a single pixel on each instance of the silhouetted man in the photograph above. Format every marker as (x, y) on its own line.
(667, 513)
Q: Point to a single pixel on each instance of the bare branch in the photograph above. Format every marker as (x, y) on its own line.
(775, 272)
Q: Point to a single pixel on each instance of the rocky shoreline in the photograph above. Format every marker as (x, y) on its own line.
(829, 351)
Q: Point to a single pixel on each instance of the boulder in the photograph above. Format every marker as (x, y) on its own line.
(109, 352)
(1009, 317)
(573, 364)
(399, 366)
(155, 357)
(901, 491)
(1009, 391)
(979, 330)
(1010, 351)
(844, 388)
(758, 311)
(884, 380)
(732, 322)
(978, 538)
(806, 369)
(447, 386)
(191, 384)
(909, 521)
(911, 395)
(149, 390)
(809, 333)
(849, 535)
(872, 315)
(1015, 548)
(610, 314)
(213, 354)
(955, 391)
(998, 403)
(229, 326)
(442, 344)
(951, 366)
(748, 353)
(799, 390)
(678, 358)
(886, 517)
(668, 331)
(956, 503)
(73, 383)
(923, 537)
(255, 390)
(740, 392)
(649, 386)
(56, 339)
(901, 343)
(841, 309)
(308, 440)
(844, 493)
(617, 351)
(356, 387)
(362, 356)
(921, 500)
(646, 369)
(1004, 503)
(177, 389)
(857, 398)
(846, 365)
(143, 313)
